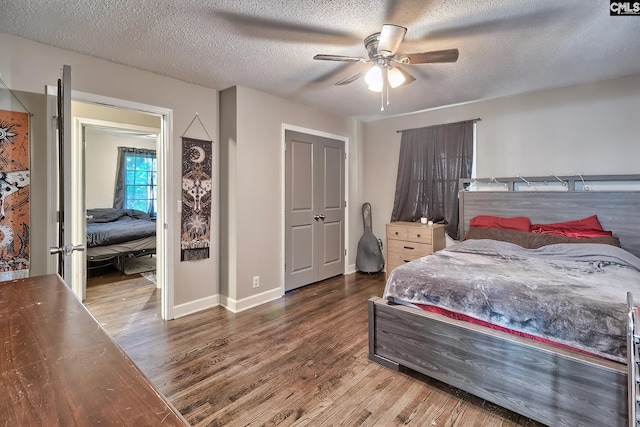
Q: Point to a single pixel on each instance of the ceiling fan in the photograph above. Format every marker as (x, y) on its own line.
(382, 49)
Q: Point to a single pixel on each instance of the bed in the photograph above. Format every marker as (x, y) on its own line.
(559, 385)
(113, 235)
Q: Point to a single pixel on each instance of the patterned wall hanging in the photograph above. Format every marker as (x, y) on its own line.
(14, 194)
(196, 199)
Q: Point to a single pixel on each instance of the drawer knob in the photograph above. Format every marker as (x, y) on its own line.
(418, 236)
(396, 233)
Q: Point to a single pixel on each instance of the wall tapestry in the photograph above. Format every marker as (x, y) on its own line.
(14, 194)
(196, 199)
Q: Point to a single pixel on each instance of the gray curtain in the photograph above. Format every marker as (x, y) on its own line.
(432, 160)
(119, 195)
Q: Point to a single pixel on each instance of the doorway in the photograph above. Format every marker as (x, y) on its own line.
(108, 111)
(314, 208)
(164, 275)
(120, 183)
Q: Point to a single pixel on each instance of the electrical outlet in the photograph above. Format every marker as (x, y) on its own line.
(256, 281)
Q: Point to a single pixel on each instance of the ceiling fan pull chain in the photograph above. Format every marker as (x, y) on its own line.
(385, 88)
(386, 84)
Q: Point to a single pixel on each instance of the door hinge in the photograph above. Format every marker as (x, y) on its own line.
(345, 252)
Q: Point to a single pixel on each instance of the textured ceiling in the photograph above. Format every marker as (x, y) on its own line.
(506, 47)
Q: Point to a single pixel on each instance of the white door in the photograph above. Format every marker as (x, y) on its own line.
(314, 209)
(69, 192)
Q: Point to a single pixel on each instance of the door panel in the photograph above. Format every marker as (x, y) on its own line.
(302, 257)
(301, 176)
(314, 209)
(331, 202)
(332, 162)
(332, 235)
(71, 238)
(301, 230)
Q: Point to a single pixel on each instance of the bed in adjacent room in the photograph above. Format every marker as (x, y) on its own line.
(532, 317)
(113, 235)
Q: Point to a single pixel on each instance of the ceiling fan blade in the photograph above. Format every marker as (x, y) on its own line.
(352, 78)
(323, 57)
(281, 30)
(390, 38)
(447, 55)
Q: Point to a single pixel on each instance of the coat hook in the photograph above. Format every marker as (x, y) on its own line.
(498, 182)
(584, 186)
(520, 176)
(564, 183)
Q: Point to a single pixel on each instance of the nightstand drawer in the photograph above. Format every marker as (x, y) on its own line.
(408, 247)
(396, 259)
(420, 235)
(396, 232)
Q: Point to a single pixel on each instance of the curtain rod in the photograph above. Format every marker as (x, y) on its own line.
(474, 121)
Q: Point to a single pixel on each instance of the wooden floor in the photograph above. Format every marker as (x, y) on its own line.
(300, 360)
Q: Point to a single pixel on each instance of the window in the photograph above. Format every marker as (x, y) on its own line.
(136, 186)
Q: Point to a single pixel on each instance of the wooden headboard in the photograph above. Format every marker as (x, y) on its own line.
(618, 211)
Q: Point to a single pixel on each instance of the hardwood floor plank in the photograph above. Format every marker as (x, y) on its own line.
(301, 360)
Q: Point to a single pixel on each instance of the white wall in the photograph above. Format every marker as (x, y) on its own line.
(101, 146)
(589, 128)
(101, 161)
(29, 66)
(257, 178)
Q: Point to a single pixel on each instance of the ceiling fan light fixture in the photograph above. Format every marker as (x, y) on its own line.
(373, 78)
(395, 77)
(387, 71)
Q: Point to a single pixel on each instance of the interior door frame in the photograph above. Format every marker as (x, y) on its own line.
(79, 125)
(164, 247)
(287, 127)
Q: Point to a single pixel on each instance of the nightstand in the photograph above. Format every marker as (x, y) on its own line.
(407, 241)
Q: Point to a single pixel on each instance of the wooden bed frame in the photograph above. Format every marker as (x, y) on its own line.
(551, 385)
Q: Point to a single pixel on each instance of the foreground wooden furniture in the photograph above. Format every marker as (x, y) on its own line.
(407, 241)
(554, 386)
(59, 367)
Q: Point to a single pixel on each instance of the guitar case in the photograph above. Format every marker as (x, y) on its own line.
(369, 258)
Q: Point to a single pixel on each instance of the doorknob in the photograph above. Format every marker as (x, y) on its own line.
(316, 217)
(66, 250)
(322, 217)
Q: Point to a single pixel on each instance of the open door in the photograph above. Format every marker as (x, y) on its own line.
(69, 192)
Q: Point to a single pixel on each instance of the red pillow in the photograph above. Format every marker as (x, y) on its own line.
(588, 223)
(585, 227)
(520, 223)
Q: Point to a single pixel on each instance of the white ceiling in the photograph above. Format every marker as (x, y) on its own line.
(506, 47)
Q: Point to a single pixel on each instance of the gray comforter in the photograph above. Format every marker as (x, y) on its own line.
(111, 226)
(571, 294)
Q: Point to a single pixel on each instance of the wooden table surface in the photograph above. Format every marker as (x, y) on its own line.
(59, 367)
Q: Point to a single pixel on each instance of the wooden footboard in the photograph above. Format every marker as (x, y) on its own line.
(554, 386)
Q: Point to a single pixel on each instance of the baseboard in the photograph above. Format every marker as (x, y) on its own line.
(191, 307)
(237, 306)
(351, 268)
